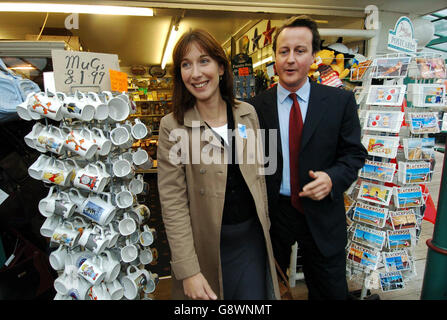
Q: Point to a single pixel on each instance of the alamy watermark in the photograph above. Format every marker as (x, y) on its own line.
(198, 146)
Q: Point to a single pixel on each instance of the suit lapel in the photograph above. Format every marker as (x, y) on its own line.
(315, 111)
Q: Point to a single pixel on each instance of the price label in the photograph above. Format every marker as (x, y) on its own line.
(118, 80)
(244, 71)
(83, 71)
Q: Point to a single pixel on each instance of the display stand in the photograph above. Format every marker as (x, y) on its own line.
(93, 215)
(385, 206)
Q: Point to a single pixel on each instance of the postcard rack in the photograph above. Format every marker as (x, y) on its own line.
(385, 206)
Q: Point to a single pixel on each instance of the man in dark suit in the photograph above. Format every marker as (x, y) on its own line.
(319, 153)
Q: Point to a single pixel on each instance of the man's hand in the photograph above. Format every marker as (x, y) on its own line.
(196, 287)
(319, 188)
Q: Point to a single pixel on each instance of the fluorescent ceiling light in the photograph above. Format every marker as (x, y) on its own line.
(23, 68)
(169, 46)
(78, 8)
(259, 63)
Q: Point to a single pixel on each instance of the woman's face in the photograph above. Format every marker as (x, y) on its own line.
(200, 74)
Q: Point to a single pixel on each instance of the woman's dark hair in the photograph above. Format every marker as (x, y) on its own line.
(182, 99)
(301, 21)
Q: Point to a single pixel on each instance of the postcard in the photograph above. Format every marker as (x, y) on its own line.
(391, 281)
(414, 172)
(396, 261)
(404, 219)
(444, 122)
(381, 146)
(363, 256)
(419, 148)
(400, 239)
(379, 171)
(371, 215)
(375, 193)
(349, 202)
(358, 71)
(423, 122)
(426, 94)
(384, 121)
(359, 94)
(431, 68)
(407, 197)
(386, 95)
(390, 67)
(369, 237)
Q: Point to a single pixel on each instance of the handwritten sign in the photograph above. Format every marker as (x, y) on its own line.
(83, 71)
(118, 80)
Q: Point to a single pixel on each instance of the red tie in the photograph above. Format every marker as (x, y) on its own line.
(295, 131)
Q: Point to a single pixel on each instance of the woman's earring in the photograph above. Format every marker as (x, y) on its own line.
(220, 78)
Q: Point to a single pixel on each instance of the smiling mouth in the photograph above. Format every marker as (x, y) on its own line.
(200, 85)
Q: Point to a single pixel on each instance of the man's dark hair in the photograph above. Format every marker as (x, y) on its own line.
(301, 21)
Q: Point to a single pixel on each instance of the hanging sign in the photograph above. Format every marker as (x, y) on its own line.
(118, 81)
(83, 71)
(401, 39)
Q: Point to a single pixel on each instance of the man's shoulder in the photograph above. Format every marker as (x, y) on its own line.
(262, 97)
(330, 90)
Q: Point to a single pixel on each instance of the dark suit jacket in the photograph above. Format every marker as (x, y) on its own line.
(331, 143)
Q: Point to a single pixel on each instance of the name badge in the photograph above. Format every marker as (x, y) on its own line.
(242, 130)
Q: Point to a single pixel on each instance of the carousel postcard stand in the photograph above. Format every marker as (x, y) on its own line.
(92, 214)
(385, 206)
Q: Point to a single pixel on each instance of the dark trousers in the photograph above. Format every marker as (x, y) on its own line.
(325, 276)
(244, 260)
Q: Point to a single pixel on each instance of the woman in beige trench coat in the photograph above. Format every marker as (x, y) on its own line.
(192, 168)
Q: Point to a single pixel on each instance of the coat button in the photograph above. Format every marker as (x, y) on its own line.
(202, 191)
(202, 171)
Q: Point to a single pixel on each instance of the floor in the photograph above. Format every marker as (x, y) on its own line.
(412, 291)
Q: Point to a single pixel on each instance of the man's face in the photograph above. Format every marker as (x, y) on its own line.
(293, 57)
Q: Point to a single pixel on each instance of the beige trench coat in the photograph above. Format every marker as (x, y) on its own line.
(192, 194)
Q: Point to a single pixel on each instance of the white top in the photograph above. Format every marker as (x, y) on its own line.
(222, 131)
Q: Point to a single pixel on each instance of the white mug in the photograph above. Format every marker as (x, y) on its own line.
(104, 144)
(92, 270)
(124, 198)
(145, 256)
(80, 287)
(146, 236)
(135, 281)
(81, 142)
(49, 225)
(122, 168)
(97, 209)
(23, 109)
(127, 225)
(115, 289)
(99, 292)
(120, 137)
(111, 234)
(111, 266)
(136, 184)
(77, 197)
(63, 283)
(50, 139)
(142, 212)
(152, 282)
(42, 206)
(36, 169)
(139, 130)
(30, 138)
(118, 109)
(66, 234)
(93, 177)
(73, 107)
(141, 159)
(94, 239)
(57, 258)
(58, 172)
(45, 106)
(60, 205)
(101, 108)
(129, 252)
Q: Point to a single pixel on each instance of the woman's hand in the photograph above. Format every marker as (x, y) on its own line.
(196, 287)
